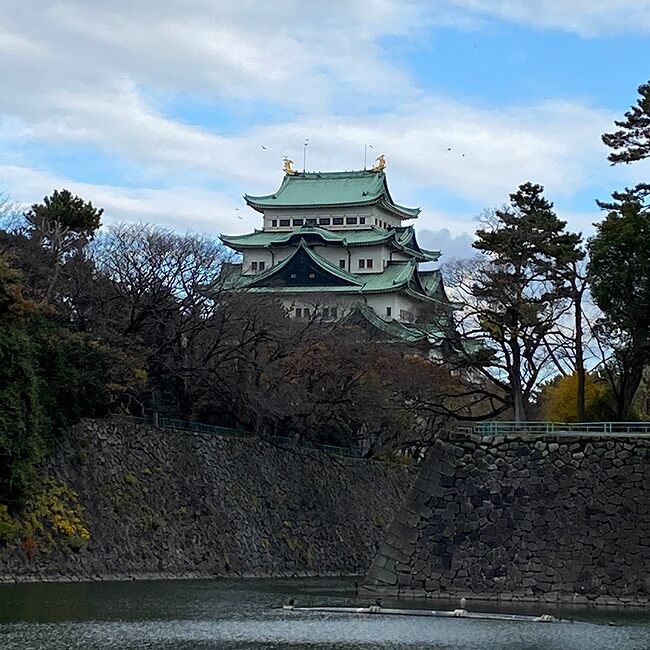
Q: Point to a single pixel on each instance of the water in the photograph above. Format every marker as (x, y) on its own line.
(238, 615)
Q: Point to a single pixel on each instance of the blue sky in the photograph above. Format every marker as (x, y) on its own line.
(168, 112)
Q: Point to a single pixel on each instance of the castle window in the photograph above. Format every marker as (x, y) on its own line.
(362, 264)
(362, 220)
(369, 263)
(341, 264)
(310, 222)
(261, 265)
(253, 266)
(406, 315)
(285, 222)
(298, 222)
(274, 222)
(389, 311)
(351, 220)
(293, 276)
(337, 221)
(312, 276)
(324, 221)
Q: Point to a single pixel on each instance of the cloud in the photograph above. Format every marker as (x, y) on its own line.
(588, 18)
(451, 246)
(103, 76)
(179, 208)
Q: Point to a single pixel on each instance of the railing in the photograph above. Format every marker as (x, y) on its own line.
(333, 450)
(210, 429)
(560, 429)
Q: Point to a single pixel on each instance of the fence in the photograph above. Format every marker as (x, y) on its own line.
(210, 429)
(560, 429)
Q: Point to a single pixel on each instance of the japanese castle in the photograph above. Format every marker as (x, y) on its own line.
(334, 245)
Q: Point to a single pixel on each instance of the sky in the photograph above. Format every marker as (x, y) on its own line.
(167, 112)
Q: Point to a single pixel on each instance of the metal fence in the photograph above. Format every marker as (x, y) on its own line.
(560, 429)
(210, 429)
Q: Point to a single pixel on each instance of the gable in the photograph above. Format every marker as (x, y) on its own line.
(303, 270)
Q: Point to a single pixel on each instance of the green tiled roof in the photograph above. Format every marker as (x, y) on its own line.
(433, 333)
(403, 238)
(264, 238)
(395, 277)
(328, 189)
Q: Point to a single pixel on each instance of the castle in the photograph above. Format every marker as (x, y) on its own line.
(335, 245)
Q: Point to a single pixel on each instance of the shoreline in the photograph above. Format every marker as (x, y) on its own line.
(579, 602)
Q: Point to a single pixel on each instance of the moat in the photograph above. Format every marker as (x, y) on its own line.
(235, 614)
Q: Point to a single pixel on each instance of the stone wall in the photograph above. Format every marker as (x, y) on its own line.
(521, 519)
(163, 503)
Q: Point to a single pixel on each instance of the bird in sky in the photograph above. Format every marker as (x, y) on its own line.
(263, 147)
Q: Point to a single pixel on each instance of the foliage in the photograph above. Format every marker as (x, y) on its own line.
(8, 525)
(558, 399)
(54, 513)
(49, 377)
(515, 295)
(619, 254)
(62, 219)
(631, 142)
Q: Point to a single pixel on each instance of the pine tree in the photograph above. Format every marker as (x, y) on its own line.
(632, 141)
(523, 289)
(620, 270)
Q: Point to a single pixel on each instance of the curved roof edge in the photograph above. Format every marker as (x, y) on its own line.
(327, 189)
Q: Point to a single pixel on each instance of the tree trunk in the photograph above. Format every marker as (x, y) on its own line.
(580, 361)
(516, 388)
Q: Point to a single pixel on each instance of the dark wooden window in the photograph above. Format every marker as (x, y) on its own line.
(362, 220)
(362, 264)
(253, 266)
(389, 311)
(285, 222)
(341, 264)
(369, 263)
(337, 221)
(298, 222)
(261, 266)
(324, 221)
(274, 222)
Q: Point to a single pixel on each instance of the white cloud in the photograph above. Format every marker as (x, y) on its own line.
(180, 208)
(100, 74)
(585, 17)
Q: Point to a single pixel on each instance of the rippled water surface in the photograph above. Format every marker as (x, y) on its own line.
(233, 615)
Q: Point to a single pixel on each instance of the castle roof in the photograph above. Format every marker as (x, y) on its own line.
(400, 238)
(332, 189)
(304, 271)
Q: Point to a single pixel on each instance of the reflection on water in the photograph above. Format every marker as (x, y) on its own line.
(244, 614)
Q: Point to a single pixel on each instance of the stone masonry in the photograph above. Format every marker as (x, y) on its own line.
(173, 504)
(520, 519)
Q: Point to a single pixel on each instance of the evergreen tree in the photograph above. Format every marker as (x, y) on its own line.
(632, 141)
(62, 225)
(523, 289)
(620, 269)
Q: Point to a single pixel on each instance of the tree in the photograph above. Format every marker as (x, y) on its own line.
(632, 141)
(61, 225)
(516, 294)
(49, 378)
(619, 254)
(557, 398)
